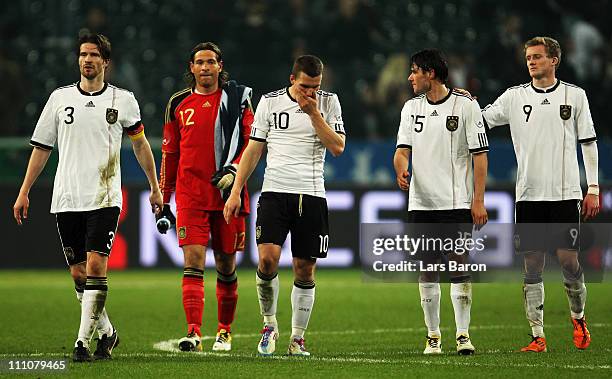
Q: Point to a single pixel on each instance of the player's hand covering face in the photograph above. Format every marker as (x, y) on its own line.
(306, 88)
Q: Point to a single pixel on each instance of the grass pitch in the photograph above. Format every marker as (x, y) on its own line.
(357, 329)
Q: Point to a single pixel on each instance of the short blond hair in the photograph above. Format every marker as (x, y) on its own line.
(553, 49)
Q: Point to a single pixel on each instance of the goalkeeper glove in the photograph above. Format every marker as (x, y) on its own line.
(224, 178)
(165, 219)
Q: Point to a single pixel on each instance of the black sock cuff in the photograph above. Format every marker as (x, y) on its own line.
(192, 272)
(96, 283)
(231, 278)
(267, 277)
(461, 279)
(79, 287)
(305, 285)
(533, 277)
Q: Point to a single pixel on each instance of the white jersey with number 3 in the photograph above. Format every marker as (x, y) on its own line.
(88, 128)
(546, 125)
(296, 155)
(442, 136)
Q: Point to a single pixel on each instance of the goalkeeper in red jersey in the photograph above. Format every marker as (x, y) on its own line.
(207, 127)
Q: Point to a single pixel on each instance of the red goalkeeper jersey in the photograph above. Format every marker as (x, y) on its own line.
(192, 134)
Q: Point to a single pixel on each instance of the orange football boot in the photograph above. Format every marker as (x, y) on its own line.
(582, 337)
(537, 345)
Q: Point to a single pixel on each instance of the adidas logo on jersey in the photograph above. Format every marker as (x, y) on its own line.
(206, 104)
(434, 113)
(90, 104)
(545, 102)
(299, 110)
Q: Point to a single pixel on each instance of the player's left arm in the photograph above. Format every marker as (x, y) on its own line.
(479, 212)
(144, 155)
(332, 140)
(588, 143)
(478, 145)
(590, 204)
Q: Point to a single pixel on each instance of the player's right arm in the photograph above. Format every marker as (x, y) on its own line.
(250, 158)
(43, 140)
(498, 113)
(401, 158)
(37, 162)
(168, 170)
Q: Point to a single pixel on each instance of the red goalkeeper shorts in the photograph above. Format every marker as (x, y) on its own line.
(196, 227)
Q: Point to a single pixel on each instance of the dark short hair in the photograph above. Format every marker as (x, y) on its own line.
(223, 75)
(308, 64)
(431, 59)
(552, 47)
(101, 41)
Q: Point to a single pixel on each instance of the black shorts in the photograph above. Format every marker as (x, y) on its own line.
(438, 224)
(304, 216)
(81, 232)
(447, 216)
(547, 225)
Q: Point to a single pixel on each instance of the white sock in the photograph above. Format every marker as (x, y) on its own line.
(302, 301)
(576, 294)
(461, 297)
(534, 307)
(267, 292)
(430, 302)
(92, 304)
(104, 324)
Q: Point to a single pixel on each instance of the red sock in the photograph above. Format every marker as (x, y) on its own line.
(227, 298)
(193, 302)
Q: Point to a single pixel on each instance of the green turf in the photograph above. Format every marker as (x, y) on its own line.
(357, 329)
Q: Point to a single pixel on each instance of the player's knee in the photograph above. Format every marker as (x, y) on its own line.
(96, 264)
(429, 277)
(304, 269)
(571, 269)
(267, 264)
(225, 263)
(79, 276)
(194, 256)
(78, 272)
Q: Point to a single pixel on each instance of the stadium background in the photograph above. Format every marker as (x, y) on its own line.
(365, 45)
(359, 329)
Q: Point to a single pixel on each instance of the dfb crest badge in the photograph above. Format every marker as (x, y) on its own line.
(69, 254)
(565, 111)
(452, 123)
(182, 232)
(111, 115)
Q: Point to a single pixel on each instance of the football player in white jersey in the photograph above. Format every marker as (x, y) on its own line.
(87, 120)
(547, 117)
(297, 124)
(442, 136)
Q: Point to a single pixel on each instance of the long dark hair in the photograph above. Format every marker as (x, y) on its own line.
(190, 78)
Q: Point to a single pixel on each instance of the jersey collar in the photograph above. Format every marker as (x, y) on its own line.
(450, 92)
(100, 92)
(538, 90)
(290, 97)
